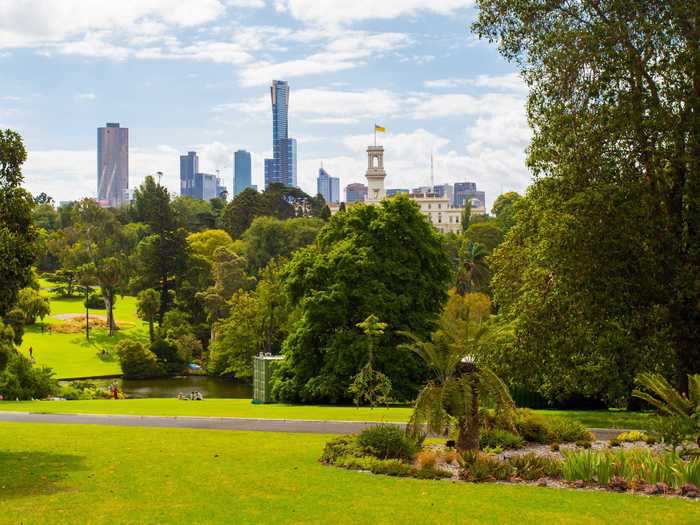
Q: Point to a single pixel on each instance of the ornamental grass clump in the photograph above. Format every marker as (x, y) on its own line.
(477, 467)
(497, 438)
(634, 466)
(530, 466)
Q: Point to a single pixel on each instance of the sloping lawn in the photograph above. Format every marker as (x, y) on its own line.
(70, 355)
(244, 408)
(76, 474)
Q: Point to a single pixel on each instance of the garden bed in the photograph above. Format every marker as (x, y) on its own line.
(630, 463)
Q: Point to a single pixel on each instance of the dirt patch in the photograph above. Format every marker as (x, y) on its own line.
(75, 323)
(65, 317)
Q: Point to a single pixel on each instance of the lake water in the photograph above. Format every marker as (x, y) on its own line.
(210, 387)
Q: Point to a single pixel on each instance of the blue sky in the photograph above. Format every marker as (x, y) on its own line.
(194, 74)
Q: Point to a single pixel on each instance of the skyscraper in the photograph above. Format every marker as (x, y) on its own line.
(328, 187)
(461, 191)
(112, 165)
(241, 171)
(283, 166)
(189, 167)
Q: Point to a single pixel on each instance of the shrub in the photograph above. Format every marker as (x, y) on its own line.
(387, 442)
(561, 430)
(584, 443)
(341, 446)
(531, 426)
(496, 438)
(426, 459)
(172, 359)
(631, 436)
(482, 467)
(20, 380)
(530, 466)
(95, 301)
(137, 361)
(83, 390)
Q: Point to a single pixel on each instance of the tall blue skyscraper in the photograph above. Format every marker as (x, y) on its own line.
(241, 171)
(283, 165)
(189, 167)
(328, 187)
(112, 165)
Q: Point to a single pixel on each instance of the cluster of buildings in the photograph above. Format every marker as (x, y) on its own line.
(443, 204)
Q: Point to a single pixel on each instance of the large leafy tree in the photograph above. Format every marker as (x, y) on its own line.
(102, 247)
(614, 104)
(17, 233)
(385, 260)
(161, 257)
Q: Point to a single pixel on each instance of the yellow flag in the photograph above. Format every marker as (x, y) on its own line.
(380, 129)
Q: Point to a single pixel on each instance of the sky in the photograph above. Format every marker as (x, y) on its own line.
(188, 75)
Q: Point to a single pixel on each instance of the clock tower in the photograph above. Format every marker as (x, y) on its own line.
(375, 174)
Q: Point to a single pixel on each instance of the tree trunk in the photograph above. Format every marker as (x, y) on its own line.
(163, 300)
(109, 302)
(468, 425)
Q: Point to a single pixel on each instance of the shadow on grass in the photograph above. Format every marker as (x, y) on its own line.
(35, 473)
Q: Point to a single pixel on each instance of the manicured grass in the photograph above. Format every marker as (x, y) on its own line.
(244, 408)
(70, 355)
(90, 474)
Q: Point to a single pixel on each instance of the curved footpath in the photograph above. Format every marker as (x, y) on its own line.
(219, 423)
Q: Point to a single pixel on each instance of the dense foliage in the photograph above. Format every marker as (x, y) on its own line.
(385, 260)
(600, 272)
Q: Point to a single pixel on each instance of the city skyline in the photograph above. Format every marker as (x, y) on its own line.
(182, 82)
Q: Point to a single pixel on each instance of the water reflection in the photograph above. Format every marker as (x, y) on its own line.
(210, 387)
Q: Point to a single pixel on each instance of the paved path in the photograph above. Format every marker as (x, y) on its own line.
(217, 423)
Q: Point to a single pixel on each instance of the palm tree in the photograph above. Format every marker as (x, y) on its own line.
(671, 403)
(459, 384)
(472, 270)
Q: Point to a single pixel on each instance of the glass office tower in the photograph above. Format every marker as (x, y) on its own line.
(242, 171)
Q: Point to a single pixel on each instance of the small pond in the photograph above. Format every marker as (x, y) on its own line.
(210, 387)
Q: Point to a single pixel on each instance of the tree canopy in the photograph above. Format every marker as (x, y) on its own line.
(384, 260)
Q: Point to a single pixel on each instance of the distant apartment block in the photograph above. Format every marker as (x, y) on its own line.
(112, 165)
(355, 192)
(189, 167)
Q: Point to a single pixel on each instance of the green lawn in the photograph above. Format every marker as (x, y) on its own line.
(76, 474)
(244, 408)
(70, 355)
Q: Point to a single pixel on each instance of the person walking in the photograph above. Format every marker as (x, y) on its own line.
(31, 353)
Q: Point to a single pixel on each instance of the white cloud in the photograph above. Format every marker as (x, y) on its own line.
(21, 25)
(326, 106)
(86, 96)
(350, 50)
(510, 82)
(453, 104)
(334, 11)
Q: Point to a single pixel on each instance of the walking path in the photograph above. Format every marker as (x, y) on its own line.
(218, 423)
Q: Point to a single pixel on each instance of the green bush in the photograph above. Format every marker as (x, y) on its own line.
(387, 442)
(482, 467)
(21, 380)
(95, 301)
(137, 361)
(531, 426)
(561, 430)
(82, 390)
(172, 359)
(339, 447)
(530, 466)
(496, 438)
